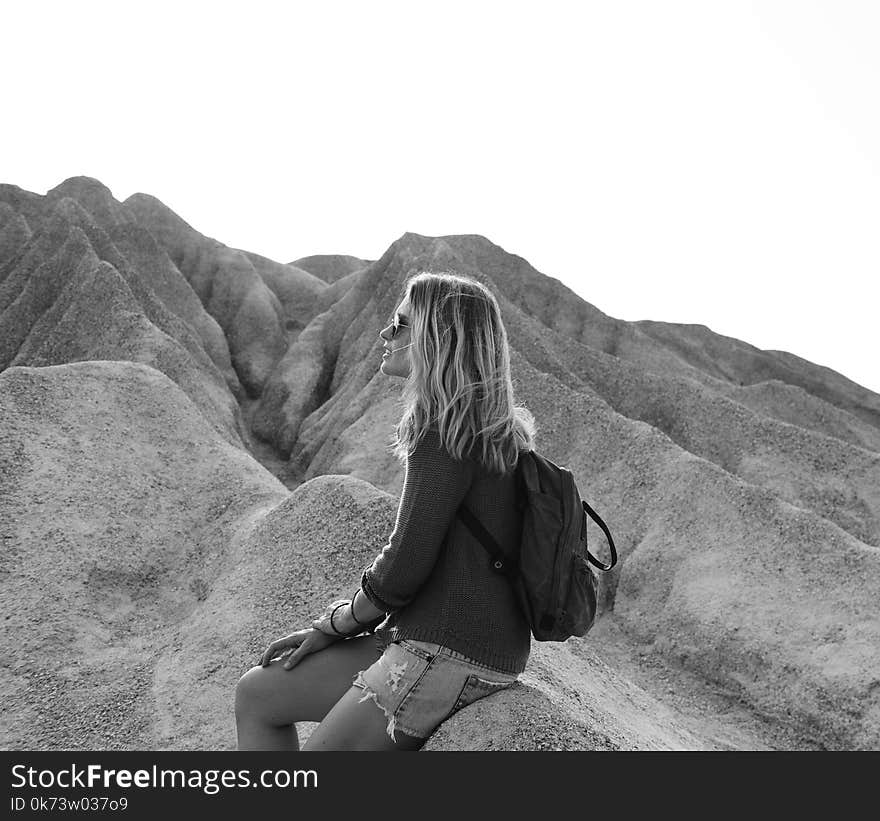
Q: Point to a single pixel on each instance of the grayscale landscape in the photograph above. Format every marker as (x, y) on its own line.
(194, 460)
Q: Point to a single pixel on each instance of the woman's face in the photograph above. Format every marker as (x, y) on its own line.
(397, 363)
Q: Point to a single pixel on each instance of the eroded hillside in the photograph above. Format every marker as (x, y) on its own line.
(194, 458)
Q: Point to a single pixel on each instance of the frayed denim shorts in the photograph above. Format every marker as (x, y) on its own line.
(419, 684)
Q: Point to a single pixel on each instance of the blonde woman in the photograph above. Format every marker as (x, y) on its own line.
(449, 629)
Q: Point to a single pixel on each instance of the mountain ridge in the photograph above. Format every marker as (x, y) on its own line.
(183, 418)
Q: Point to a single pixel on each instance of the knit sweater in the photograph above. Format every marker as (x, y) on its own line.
(433, 576)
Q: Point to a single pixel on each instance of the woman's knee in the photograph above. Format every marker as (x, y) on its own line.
(252, 690)
(274, 695)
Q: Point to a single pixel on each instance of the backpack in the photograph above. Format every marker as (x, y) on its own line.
(554, 584)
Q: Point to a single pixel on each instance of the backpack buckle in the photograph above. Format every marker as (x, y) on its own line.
(503, 566)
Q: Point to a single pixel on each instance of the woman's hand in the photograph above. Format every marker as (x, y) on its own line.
(296, 646)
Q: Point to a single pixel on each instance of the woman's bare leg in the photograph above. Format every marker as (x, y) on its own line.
(358, 723)
(269, 700)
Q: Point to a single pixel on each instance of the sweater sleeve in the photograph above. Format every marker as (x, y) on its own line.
(435, 484)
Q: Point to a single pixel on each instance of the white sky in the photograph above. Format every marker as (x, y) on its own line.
(707, 162)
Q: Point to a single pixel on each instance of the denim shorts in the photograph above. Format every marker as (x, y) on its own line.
(419, 684)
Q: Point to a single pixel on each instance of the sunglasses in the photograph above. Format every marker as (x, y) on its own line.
(396, 325)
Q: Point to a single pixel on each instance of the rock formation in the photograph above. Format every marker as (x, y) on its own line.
(194, 458)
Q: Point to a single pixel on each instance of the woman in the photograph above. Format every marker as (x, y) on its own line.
(451, 631)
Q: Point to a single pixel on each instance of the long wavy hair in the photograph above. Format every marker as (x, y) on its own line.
(460, 376)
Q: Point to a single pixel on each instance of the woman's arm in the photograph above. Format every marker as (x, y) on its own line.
(362, 610)
(351, 619)
(434, 486)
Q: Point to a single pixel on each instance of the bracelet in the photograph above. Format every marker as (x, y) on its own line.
(333, 613)
(361, 623)
(370, 627)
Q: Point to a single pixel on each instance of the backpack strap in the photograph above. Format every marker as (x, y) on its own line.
(499, 560)
(590, 558)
